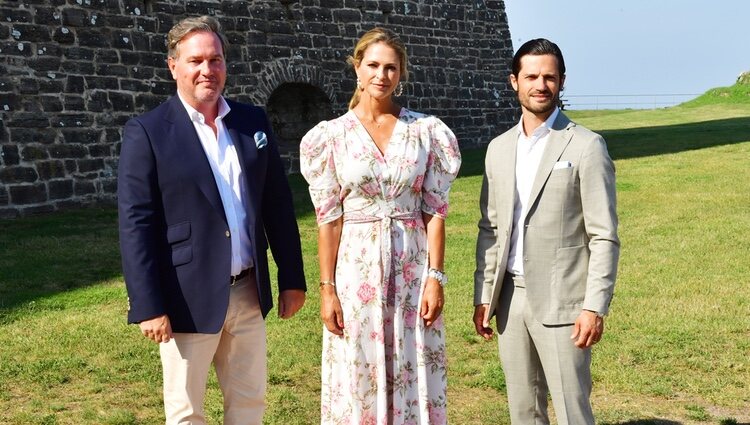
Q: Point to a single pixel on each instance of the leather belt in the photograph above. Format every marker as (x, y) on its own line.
(236, 278)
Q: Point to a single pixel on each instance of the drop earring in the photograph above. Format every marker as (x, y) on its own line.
(359, 84)
(399, 89)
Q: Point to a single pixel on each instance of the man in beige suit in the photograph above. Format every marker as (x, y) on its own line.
(547, 249)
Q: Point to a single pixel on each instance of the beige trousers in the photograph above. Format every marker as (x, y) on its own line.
(238, 353)
(538, 359)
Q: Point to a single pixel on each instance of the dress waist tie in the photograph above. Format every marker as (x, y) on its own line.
(386, 241)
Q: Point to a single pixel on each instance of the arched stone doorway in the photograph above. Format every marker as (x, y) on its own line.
(293, 109)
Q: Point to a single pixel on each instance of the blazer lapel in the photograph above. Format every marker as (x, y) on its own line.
(507, 170)
(247, 153)
(558, 140)
(192, 155)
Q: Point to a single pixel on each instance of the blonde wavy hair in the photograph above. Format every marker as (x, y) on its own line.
(377, 35)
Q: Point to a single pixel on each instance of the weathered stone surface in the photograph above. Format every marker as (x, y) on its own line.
(73, 72)
(28, 194)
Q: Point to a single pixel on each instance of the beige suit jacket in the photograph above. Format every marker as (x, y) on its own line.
(571, 248)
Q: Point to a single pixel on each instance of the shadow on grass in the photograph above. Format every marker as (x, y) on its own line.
(649, 141)
(44, 255)
(645, 422)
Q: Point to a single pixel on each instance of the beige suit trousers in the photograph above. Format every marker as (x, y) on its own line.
(537, 359)
(238, 353)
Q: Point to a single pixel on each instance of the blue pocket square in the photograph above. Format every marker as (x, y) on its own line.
(260, 140)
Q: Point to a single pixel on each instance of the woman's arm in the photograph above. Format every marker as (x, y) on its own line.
(433, 298)
(329, 235)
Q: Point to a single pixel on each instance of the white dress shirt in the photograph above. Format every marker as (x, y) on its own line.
(225, 165)
(528, 155)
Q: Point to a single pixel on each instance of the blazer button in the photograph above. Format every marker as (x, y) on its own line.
(227, 234)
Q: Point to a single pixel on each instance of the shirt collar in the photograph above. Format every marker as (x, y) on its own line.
(197, 116)
(542, 129)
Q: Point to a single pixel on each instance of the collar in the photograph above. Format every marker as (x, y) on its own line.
(194, 115)
(542, 129)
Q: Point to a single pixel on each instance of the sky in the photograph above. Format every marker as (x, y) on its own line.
(639, 47)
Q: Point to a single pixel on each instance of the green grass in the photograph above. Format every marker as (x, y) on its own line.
(676, 344)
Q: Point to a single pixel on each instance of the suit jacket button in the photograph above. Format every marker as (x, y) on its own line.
(227, 234)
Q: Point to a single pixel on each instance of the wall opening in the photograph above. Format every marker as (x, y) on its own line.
(293, 109)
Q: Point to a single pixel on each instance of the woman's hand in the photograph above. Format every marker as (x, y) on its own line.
(330, 310)
(432, 301)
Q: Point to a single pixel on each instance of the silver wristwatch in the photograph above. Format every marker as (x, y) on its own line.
(438, 275)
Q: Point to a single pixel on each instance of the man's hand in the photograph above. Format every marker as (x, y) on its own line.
(588, 329)
(481, 324)
(157, 329)
(330, 310)
(433, 301)
(290, 301)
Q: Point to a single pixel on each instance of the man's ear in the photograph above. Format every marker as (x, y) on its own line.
(171, 64)
(562, 82)
(513, 82)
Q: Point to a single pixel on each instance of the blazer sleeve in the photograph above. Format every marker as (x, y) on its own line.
(139, 221)
(487, 241)
(599, 205)
(280, 221)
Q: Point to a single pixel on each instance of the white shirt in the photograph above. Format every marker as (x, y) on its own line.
(528, 155)
(225, 165)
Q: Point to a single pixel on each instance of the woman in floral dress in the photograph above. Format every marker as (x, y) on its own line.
(379, 179)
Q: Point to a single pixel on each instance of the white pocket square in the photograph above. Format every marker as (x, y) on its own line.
(260, 139)
(559, 165)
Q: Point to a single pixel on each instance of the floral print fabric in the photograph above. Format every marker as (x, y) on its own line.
(388, 368)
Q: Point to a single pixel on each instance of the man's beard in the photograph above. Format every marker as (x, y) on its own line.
(540, 108)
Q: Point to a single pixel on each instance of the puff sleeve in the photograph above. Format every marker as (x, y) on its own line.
(319, 169)
(443, 163)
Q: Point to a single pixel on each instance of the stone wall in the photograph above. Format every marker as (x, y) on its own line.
(72, 72)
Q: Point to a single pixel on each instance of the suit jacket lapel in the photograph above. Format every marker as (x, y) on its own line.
(192, 155)
(247, 153)
(507, 167)
(558, 140)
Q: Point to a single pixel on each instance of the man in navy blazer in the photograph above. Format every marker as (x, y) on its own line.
(202, 194)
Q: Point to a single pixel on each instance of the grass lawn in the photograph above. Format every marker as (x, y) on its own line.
(675, 349)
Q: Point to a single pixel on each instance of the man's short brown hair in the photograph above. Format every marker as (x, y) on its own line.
(190, 25)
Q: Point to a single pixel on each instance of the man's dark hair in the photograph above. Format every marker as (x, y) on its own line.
(537, 47)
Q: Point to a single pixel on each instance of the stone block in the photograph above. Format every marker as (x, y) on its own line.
(74, 103)
(31, 32)
(60, 189)
(16, 48)
(112, 70)
(89, 165)
(29, 120)
(74, 120)
(64, 35)
(79, 53)
(92, 38)
(81, 135)
(101, 150)
(77, 67)
(51, 103)
(8, 14)
(101, 83)
(50, 169)
(9, 213)
(3, 196)
(34, 153)
(37, 210)
(32, 135)
(74, 17)
(84, 187)
(46, 16)
(51, 85)
(66, 151)
(18, 174)
(25, 194)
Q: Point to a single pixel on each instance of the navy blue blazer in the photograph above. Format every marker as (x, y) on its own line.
(174, 237)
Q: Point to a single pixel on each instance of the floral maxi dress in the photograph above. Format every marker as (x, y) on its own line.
(388, 368)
